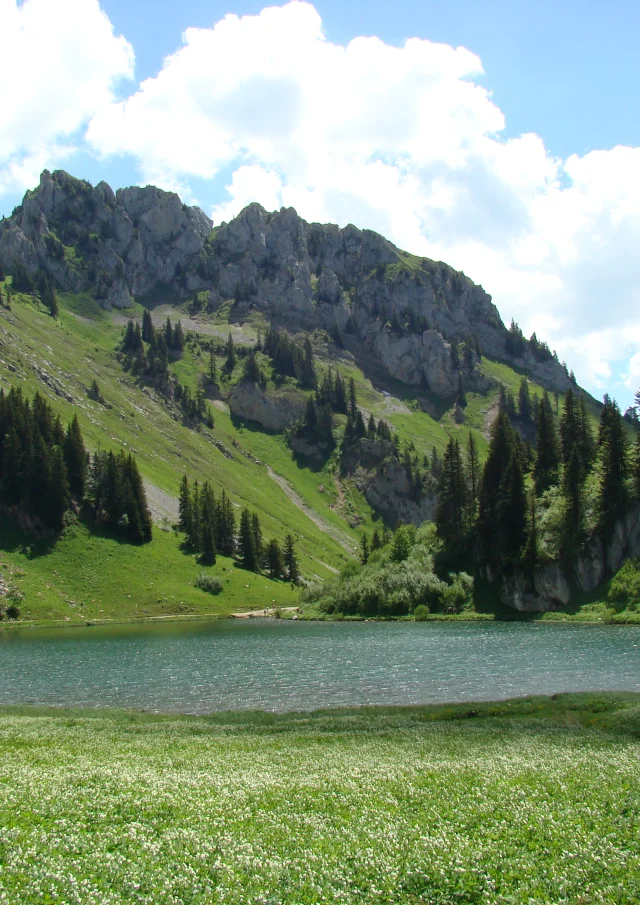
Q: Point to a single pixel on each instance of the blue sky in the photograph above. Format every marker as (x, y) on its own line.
(516, 159)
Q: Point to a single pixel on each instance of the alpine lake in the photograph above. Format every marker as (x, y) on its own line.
(281, 665)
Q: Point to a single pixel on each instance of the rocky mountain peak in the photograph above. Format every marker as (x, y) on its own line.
(403, 312)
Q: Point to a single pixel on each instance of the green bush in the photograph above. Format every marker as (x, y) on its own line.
(624, 590)
(421, 612)
(209, 583)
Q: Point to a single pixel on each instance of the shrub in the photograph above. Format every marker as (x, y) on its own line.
(209, 583)
(624, 590)
(421, 612)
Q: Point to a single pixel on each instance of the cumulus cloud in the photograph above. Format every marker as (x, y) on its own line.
(60, 63)
(403, 140)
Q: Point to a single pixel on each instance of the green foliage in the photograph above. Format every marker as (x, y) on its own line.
(211, 584)
(624, 588)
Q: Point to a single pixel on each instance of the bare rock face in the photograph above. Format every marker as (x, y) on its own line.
(403, 313)
(389, 493)
(550, 586)
(274, 411)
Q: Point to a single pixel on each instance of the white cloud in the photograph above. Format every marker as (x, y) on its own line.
(402, 140)
(60, 61)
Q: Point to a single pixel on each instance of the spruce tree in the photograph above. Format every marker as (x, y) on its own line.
(613, 450)
(513, 510)
(569, 427)
(473, 472)
(490, 527)
(364, 549)
(185, 507)
(585, 438)
(213, 371)
(572, 491)
(246, 543)
(147, 327)
(291, 560)
(75, 458)
(275, 562)
(545, 471)
(636, 467)
(524, 401)
(452, 497)
(257, 537)
(230, 352)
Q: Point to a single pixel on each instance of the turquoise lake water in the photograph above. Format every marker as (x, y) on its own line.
(281, 665)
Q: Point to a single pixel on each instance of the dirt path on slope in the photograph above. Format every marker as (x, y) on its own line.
(317, 520)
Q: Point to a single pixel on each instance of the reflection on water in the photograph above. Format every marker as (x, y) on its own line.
(198, 667)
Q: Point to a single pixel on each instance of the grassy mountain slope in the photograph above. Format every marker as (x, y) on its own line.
(89, 576)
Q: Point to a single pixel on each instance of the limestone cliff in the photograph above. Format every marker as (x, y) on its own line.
(550, 585)
(400, 313)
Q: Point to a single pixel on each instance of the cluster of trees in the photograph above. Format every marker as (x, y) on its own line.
(210, 528)
(44, 468)
(290, 358)
(41, 285)
(147, 351)
(493, 516)
(117, 495)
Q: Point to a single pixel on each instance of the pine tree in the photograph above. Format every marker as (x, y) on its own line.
(291, 560)
(364, 549)
(307, 370)
(353, 401)
(613, 448)
(246, 543)
(572, 491)
(257, 537)
(493, 490)
(376, 540)
(185, 507)
(569, 427)
(636, 468)
(452, 497)
(275, 563)
(194, 538)
(147, 327)
(75, 458)
(473, 472)
(545, 471)
(586, 441)
(513, 509)
(58, 496)
(230, 352)
(524, 401)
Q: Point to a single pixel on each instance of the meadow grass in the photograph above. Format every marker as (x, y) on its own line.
(530, 801)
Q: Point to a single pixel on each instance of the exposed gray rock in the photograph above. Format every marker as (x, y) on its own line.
(275, 411)
(550, 587)
(145, 243)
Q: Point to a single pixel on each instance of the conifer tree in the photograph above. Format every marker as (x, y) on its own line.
(58, 496)
(195, 536)
(257, 537)
(185, 507)
(636, 467)
(230, 352)
(545, 470)
(147, 326)
(586, 440)
(613, 450)
(572, 490)
(75, 458)
(513, 509)
(246, 543)
(490, 526)
(353, 401)
(376, 540)
(524, 401)
(364, 549)
(291, 560)
(569, 427)
(452, 497)
(473, 472)
(275, 562)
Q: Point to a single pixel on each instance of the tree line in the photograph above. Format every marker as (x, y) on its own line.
(45, 470)
(209, 526)
(492, 515)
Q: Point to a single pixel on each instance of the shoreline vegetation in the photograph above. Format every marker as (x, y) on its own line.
(529, 800)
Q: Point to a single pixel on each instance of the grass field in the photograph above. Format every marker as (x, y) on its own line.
(530, 801)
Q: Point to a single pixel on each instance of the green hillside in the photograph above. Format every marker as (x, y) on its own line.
(84, 575)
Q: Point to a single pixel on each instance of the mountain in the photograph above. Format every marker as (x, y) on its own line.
(422, 347)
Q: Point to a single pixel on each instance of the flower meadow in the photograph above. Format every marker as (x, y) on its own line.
(389, 807)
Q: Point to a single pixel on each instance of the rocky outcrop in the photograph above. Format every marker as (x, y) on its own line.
(402, 313)
(550, 585)
(274, 411)
(386, 483)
